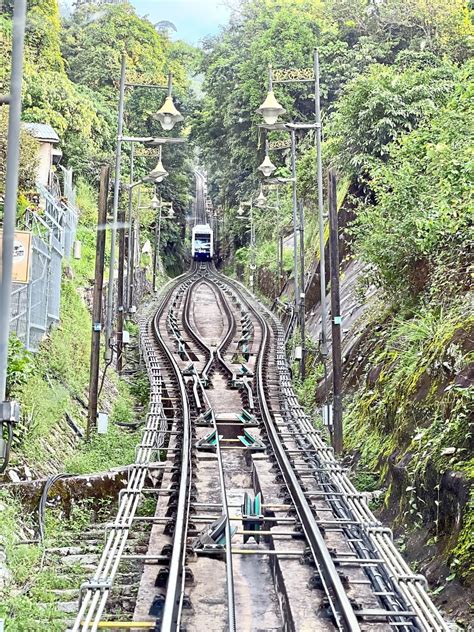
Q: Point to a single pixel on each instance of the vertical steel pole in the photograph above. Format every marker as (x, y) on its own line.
(120, 288)
(295, 222)
(113, 233)
(302, 294)
(127, 303)
(252, 249)
(97, 301)
(319, 164)
(158, 241)
(337, 436)
(11, 188)
(135, 244)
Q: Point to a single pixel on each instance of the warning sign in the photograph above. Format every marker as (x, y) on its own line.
(21, 256)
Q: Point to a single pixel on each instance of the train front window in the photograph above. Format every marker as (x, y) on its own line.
(202, 242)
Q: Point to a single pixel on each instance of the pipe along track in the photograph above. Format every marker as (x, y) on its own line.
(335, 569)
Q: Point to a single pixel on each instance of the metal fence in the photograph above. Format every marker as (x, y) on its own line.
(36, 305)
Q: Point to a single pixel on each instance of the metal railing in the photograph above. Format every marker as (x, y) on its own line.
(35, 305)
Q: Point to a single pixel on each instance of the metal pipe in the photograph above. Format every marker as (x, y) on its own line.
(9, 214)
(113, 234)
(134, 243)
(302, 294)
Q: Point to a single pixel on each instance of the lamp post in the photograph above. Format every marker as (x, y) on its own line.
(159, 204)
(168, 116)
(271, 110)
(9, 412)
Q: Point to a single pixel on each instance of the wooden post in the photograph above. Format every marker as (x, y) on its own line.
(336, 320)
(97, 300)
(120, 288)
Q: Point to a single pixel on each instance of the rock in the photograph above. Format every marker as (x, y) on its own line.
(448, 451)
(13, 476)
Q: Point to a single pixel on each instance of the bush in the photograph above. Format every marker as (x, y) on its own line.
(422, 208)
(20, 365)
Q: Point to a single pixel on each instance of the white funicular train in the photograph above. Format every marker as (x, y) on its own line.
(202, 243)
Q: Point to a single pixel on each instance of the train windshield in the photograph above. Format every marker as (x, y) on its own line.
(202, 242)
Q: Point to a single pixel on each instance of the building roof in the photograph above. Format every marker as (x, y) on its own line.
(42, 131)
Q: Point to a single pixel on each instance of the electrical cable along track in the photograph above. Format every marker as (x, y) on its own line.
(256, 525)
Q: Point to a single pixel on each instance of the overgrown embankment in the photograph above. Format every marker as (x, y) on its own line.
(51, 387)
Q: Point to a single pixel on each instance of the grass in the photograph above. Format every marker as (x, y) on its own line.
(411, 404)
(57, 374)
(117, 447)
(28, 603)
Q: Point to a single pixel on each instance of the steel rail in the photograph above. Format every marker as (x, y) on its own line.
(94, 593)
(410, 585)
(344, 614)
(175, 585)
(225, 506)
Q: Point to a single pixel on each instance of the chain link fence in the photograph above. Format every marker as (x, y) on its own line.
(36, 304)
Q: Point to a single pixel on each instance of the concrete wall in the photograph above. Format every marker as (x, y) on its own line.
(45, 162)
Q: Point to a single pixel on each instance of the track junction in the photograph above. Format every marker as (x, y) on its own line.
(256, 524)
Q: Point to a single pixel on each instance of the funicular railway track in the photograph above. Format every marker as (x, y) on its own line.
(237, 458)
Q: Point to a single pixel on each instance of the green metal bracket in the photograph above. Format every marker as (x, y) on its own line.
(252, 516)
(252, 442)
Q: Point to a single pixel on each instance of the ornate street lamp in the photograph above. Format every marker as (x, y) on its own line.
(168, 115)
(155, 202)
(270, 108)
(159, 173)
(267, 167)
(261, 199)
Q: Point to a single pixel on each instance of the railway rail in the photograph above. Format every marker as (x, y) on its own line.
(256, 526)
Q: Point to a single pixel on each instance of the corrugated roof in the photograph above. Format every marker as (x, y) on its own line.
(42, 131)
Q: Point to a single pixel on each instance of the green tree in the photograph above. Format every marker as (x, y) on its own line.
(28, 156)
(418, 229)
(380, 106)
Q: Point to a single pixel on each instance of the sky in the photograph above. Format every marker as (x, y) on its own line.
(194, 19)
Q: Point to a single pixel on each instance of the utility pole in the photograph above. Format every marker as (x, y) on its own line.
(120, 288)
(97, 300)
(280, 271)
(135, 241)
(302, 294)
(319, 168)
(126, 301)
(113, 232)
(337, 436)
(157, 241)
(9, 413)
(295, 211)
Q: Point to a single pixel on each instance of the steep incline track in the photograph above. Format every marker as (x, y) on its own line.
(256, 525)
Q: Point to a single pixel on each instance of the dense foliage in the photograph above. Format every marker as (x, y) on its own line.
(421, 219)
(71, 77)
